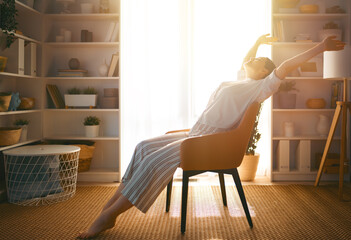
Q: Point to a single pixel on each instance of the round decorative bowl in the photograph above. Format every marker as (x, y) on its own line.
(315, 103)
(9, 135)
(309, 8)
(27, 103)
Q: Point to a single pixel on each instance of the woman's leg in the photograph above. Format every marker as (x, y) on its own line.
(107, 218)
(115, 197)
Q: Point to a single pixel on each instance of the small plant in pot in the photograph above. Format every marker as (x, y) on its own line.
(22, 123)
(247, 169)
(74, 98)
(286, 98)
(92, 126)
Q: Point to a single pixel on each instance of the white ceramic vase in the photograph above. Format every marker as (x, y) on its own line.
(92, 131)
(323, 125)
(103, 69)
(24, 133)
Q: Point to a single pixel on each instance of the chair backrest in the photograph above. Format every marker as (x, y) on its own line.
(220, 150)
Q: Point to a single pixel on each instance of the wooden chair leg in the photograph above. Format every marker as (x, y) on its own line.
(184, 201)
(242, 195)
(222, 184)
(169, 194)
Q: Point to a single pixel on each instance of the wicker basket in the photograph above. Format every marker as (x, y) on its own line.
(9, 135)
(86, 151)
(85, 157)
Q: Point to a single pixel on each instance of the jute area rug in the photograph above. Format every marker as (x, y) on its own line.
(278, 212)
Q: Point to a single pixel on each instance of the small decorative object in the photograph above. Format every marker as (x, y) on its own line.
(289, 129)
(67, 36)
(8, 22)
(89, 36)
(330, 29)
(335, 9)
(323, 125)
(73, 64)
(247, 169)
(309, 8)
(15, 102)
(9, 135)
(87, 8)
(3, 61)
(287, 100)
(110, 99)
(287, 6)
(22, 123)
(316, 103)
(5, 99)
(92, 125)
(104, 6)
(103, 69)
(27, 103)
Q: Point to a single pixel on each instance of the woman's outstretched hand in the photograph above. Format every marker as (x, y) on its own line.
(266, 39)
(332, 44)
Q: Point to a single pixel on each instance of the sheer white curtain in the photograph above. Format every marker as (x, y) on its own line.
(174, 53)
(154, 84)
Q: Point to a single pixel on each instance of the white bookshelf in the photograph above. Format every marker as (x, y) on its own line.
(40, 25)
(294, 157)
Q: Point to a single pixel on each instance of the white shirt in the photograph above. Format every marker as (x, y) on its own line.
(229, 102)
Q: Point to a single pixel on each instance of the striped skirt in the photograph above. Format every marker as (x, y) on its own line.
(152, 166)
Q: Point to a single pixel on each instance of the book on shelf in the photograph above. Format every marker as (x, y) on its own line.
(72, 73)
(279, 31)
(55, 96)
(114, 36)
(113, 69)
(109, 32)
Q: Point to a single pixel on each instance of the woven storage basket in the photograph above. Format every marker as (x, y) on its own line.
(86, 151)
(85, 157)
(9, 135)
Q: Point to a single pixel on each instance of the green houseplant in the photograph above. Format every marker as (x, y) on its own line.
(92, 126)
(8, 23)
(247, 169)
(74, 97)
(22, 123)
(286, 96)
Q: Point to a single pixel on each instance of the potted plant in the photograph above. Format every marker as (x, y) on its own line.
(74, 98)
(8, 23)
(287, 99)
(22, 123)
(247, 169)
(92, 126)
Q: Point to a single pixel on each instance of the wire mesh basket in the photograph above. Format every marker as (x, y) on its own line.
(41, 174)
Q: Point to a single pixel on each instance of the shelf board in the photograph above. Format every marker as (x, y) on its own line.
(82, 78)
(305, 110)
(304, 138)
(82, 44)
(311, 16)
(19, 144)
(26, 7)
(8, 74)
(81, 110)
(75, 137)
(82, 16)
(20, 112)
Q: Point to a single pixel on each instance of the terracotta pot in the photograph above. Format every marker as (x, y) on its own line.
(247, 169)
(6, 102)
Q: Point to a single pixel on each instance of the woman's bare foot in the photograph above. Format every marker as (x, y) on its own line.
(102, 223)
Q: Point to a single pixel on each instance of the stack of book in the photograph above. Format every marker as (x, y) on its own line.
(72, 73)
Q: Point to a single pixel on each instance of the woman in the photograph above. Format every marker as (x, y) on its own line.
(155, 160)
